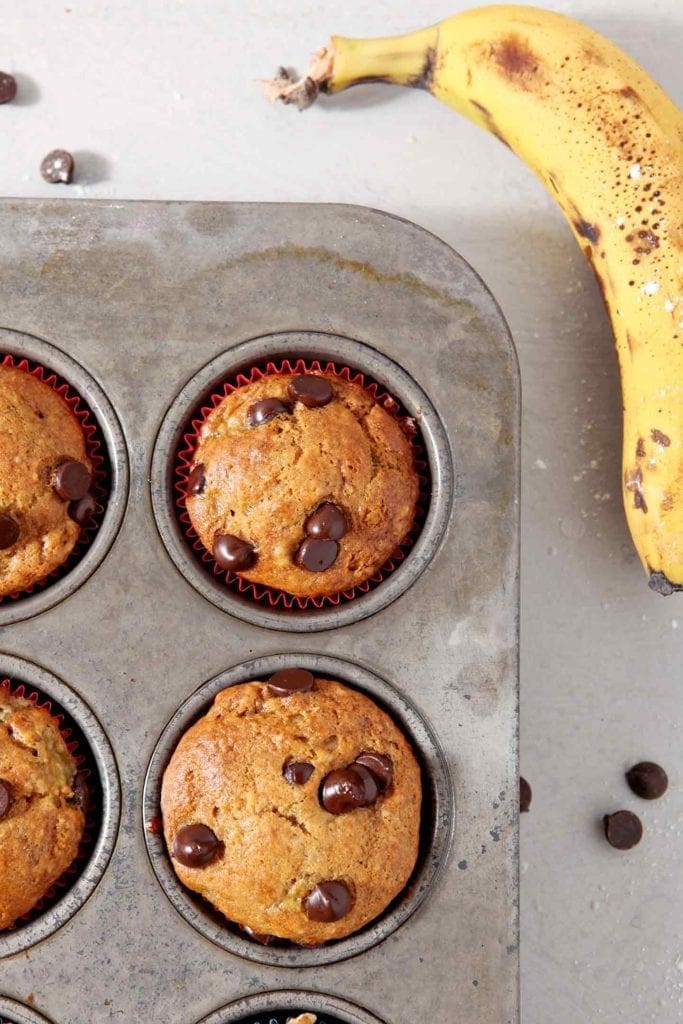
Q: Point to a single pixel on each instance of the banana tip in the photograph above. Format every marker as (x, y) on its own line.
(661, 584)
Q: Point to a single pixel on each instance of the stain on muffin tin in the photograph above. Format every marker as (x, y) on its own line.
(435, 829)
(261, 605)
(96, 765)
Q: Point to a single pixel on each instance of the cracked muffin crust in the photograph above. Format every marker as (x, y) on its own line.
(304, 483)
(41, 821)
(293, 806)
(44, 474)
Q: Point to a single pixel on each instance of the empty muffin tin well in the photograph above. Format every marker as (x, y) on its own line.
(279, 1007)
(343, 352)
(436, 828)
(102, 818)
(83, 562)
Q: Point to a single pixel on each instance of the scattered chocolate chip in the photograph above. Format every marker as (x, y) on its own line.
(524, 795)
(260, 937)
(345, 789)
(71, 480)
(316, 554)
(291, 680)
(327, 522)
(9, 531)
(81, 790)
(623, 829)
(297, 772)
(8, 87)
(57, 167)
(647, 780)
(264, 411)
(329, 901)
(196, 481)
(195, 846)
(155, 826)
(5, 798)
(232, 552)
(83, 510)
(311, 391)
(380, 766)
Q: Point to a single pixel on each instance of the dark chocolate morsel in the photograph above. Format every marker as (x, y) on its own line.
(8, 87)
(260, 937)
(196, 481)
(647, 780)
(291, 680)
(311, 391)
(57, 167)
(380, 766)
(83, 510)
(524, 795)
(81, 790)
(9, 531)
(264, 411)
(345, 789)
(195, 846)
(297, 772)
(317, 555)
(232, 552)
(623, 829)
(328, 901)
(5, 798)
(71, 480)
(327, 522)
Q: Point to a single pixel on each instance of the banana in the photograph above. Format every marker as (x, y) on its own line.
(607, 143)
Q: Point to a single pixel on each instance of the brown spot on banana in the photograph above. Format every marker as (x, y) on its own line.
(516, 60)
(640, 449)
(633, 481)
(667, 502)
(659, 437)
(489, 122)
(587, 230)
(425, 79)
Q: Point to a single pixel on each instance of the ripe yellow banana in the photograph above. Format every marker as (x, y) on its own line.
(607, 143)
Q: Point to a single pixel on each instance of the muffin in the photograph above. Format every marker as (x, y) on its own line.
(45, 477)
(304, 483)
(41, 818)
(293, 806)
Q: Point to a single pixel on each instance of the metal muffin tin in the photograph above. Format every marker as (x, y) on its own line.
(142, 307)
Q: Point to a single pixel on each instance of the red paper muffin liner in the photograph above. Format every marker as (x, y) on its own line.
(259, 592)
(85, 766)
(97, 453)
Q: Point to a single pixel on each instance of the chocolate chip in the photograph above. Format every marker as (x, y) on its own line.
(232, 552)
(647, 780)
(311, 391)
(155, 825)
(260, 937)
(380, 766)
(329, 901)
(196, 481)
(57, 167)
(83, 510)
(291, 680)
(345, 789)
(9, 531)
(317, 555)
(623, 829)
(5, 798)
(264, 411)
(297, 772)
(71, 480)
(81, 790)
(327, 522)
(524, 795)
(195, 846)
(8, 87)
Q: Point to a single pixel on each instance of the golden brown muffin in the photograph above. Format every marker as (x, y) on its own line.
(293, 806)
(44, 475)
(303, 483)
(41, 821)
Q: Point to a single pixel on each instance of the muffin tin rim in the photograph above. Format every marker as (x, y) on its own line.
(290, 999)
(24, 937)
(19, 1013)
(322, 345)
(21, 345)
(429, 866)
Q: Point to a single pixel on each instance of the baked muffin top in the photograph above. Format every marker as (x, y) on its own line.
(293, 806)
(303, 483)
(44, 471)
(41, 820)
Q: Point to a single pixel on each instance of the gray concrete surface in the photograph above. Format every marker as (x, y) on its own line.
(158, 100)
